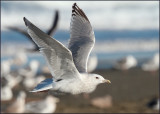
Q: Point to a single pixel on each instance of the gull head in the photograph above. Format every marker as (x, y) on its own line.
(98, 79)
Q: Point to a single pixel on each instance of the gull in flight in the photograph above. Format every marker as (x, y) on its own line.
(49, 32)
(68, 66)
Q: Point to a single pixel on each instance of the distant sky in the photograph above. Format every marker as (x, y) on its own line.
(114, 15)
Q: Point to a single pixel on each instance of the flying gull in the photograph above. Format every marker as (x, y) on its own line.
(49, 32)
(68, 66)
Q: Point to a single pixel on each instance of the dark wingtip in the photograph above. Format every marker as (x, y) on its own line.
(57, 11)
(74, 5)
(77, 11)
(25, 21)
(73, 9)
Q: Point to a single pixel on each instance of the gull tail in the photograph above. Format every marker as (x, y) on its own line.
(44, 85)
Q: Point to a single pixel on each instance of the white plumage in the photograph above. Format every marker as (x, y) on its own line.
(30, 71)
(30, 82)
(20, 58)
(152, 64)
(18, 106)
(126, 63)
(68, 66)
(48, 105)
(5, 67)
(6, 93)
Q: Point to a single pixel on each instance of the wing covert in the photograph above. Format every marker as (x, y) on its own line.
(58, 57)
(82, 38)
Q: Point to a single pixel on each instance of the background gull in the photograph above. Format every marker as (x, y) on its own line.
(126, 63)
(154, 103)
(18, 106)
(30, 82)
(5, 67)
(48, 105)
(152, 64)
(6, 90)
(13, 79)
(68, 66)
(102, 102)
(20, 58)
(49, 32)
(31, 70)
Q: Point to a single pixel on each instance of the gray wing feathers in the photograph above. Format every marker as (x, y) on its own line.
(80, 50)
(81, 38)
(58, 57)
(47, 53)
(80, 27)
(44, 85)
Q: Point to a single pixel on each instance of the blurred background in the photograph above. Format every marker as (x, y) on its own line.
(126, 52)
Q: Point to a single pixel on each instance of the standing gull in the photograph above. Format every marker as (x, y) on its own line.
(6, 90)
(152, 64)
(31, 70)
(18, 106)
(68, 66)
(126, 63)
(47, 105)
(6, 67)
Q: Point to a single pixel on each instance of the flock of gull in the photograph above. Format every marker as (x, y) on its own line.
(27, 77)
(72, 64)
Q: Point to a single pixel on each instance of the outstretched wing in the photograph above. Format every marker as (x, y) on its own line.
(49, 32)
(82, 38)
(58, 57)
(25, 34)
(54, 25)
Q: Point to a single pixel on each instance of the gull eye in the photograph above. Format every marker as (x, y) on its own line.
(97, 77)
